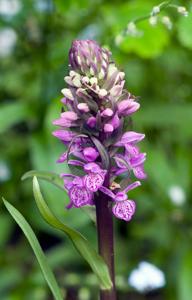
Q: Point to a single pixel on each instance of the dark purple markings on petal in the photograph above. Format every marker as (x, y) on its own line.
(124, 210)
(103, 153)
(132, 186)
(107, 192)
(80, 196)
(93, 181)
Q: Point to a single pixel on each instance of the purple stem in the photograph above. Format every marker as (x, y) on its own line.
(105, 240)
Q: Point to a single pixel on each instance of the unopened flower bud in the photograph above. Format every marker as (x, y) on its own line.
(108, 128)
(90, 154)
(83, 107)
(67, 93)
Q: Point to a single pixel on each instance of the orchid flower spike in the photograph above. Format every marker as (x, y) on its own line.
(93, 130)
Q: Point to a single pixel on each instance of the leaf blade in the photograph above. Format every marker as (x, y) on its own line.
(31, 237)
(79, 241)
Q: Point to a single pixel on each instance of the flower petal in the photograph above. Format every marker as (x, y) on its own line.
(93, 181)
(80, 196)
(124, 210)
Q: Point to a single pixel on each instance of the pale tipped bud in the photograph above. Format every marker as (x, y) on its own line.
(93, 80)
(88, 57)
(102, 93)
(67, 93)
(76, 81)
(101, 74)
(85, 80)
(68, 80)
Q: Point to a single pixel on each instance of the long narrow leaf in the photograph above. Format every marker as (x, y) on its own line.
(45, 175)
(30, 235)
(56, 180)
(80, 242)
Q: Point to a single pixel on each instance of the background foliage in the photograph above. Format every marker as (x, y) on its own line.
(158, 67)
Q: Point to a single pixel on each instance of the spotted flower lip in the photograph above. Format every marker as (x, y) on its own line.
(92, 130)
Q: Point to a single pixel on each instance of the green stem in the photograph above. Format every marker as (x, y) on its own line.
(105, 240)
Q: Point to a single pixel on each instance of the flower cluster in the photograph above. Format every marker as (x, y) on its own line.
(92, 129)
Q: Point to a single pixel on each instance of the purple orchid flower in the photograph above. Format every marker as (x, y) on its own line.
(97, 104)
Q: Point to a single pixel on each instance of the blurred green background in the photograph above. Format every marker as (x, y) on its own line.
(35, 37)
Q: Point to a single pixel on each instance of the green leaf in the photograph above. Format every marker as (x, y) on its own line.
(80, 242)
(10, 114)
(104, 155)
(48, 176)
(177, 116)
(150, 43)
(30, 235)
(184, 31)
(184, 277)
(56, 180)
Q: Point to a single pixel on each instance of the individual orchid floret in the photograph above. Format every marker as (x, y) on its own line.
(124, 210)
(67, 119)
(92, 128)
(95, 177)
(78, 193)
(64, 135)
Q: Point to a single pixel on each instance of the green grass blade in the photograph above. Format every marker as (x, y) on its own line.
(30, 235)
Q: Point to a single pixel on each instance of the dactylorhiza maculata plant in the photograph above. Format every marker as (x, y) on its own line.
(92, 128)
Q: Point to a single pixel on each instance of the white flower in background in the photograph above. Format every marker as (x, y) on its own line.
(8, 38)
(177, 195)
(43, 5)
(182, 10)
(4, 172)
(153, 20)
(146, 277)
(9, 8)
(167, 22)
